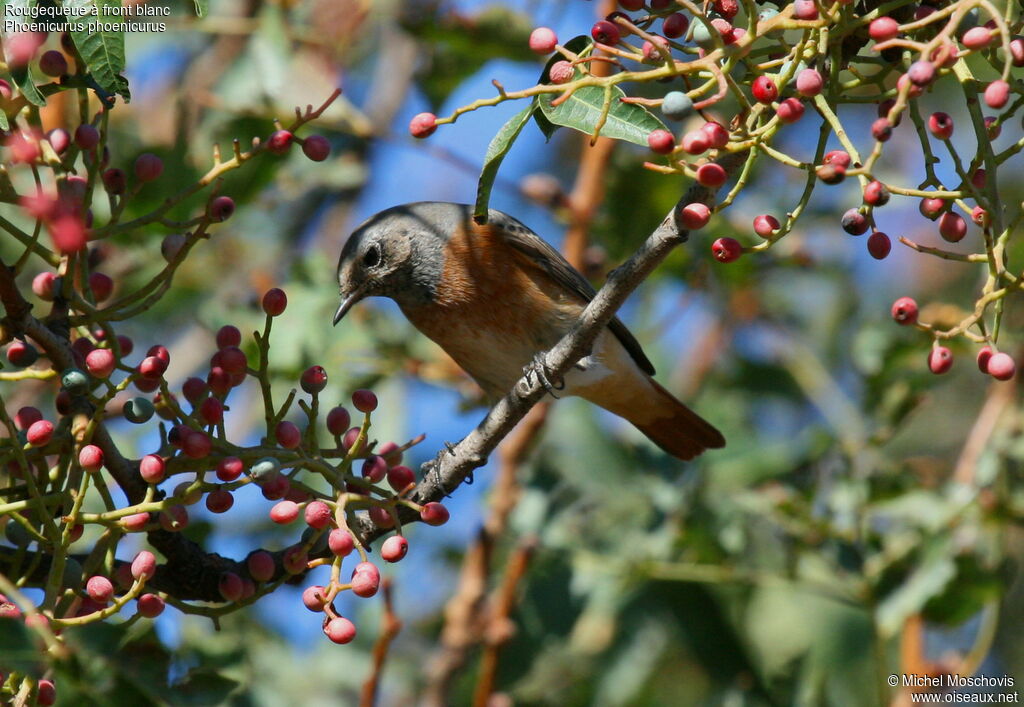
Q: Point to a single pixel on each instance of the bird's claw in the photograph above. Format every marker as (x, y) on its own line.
(537, 367)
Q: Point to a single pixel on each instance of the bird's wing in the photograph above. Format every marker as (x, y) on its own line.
(540, 253)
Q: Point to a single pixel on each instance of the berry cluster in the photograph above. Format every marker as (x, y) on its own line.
(764, 69)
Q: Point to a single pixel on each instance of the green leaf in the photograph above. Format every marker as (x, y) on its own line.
(496, 152)
(202, 687)
(582, 111)
(576, 45)
(102, 51)
(202, 7)
(19, 653)
(23, 78)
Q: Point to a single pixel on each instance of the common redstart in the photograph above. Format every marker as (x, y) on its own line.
(493, 297)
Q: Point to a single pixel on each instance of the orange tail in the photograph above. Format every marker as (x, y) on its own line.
(667, 422)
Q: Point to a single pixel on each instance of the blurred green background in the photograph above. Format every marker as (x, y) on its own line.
(861, 502)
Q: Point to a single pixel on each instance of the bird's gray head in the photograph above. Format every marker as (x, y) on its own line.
(398, 253)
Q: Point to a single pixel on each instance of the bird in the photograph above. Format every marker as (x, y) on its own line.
(495, 296)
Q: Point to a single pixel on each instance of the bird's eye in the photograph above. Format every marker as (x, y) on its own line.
(372, 257)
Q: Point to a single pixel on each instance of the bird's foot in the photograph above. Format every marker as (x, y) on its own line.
(537, 367)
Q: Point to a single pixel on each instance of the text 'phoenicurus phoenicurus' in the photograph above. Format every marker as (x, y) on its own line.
(494, 296)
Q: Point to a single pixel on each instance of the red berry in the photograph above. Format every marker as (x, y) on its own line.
(904, 310)
(941, 125)
(984, 356)
(423, 125)
(394, 548)
(631, 5)
(364, 401)
(381, 517)
(879, 245)
(980, 216)
(694, 142)
(340, 630)
(284, 512)
(607, 32)
(399, 477)
(931, 208)
(790, 110)
(765, 225)
(694, 216)
(274, 302)
(876, 194)
(150, 606)
(711, 175)
(661, 141)
(279, 142)
(997, 94)
(260, 565)
(295, 559)
(978, 178)
(144, 565)
(655, 51)
(805, 10)
(152, 468)
(338, 420)
(717, 136)
(100, 589)
(231, 358)
(952, 227)
(854, 222)
(39, 433)
(101, 286)
(940, 360)
(340, 541)
(46, 692)
(219, 501)
(90, 458)
(726, 250)
(883, 28)
(148, 167)
(196, 444)
(288, 434)
(221, 208)
(22, 354)
(675, 25)
(194, 389)
(316, 148)
(228, 336)
(100, 363)
(921, 73)
(434, 514)
(69, 234)
(229, 468)
(211, 411)
(230, 586)
(53, 63)
(764, 89)
(1002, 366)
(86, 136)
(839, 158)
(26, 416)
(881, 129)
(543, 40)
(809, 82)
(115, 181)
(992, 127)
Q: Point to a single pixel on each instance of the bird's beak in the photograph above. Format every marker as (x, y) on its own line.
(346, 303)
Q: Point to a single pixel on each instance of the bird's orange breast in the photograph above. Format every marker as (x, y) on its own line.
(494, 308)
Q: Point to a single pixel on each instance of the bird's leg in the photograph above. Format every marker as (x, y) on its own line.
(538, 367)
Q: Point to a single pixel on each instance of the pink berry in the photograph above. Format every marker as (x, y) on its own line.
(314, 379)
(940, 360)
(148, 167)
(876, 194)
(661, 141)
(100, 589)
(135, 522)
(607, 32)
(883, 28)
(790, 110)
(839, 158)
(854, 222)
(284, 512)
(314, 598)
(931, 208)
(280, 142)
(765, 225)
(338, 420)
(1002, 366)
(717, 136)
(340, 541)
(655, 51)
(150, 606)
(809, 82)
(904, 310)
(881, 129)
(229, 469)
(39, 433)
(374, 469)
(365, 579)
(260, 565)
(561, 72)
(316, 148)
(977, 38)
(59, 140)
(992, 127)
(711, 175)
(694, 216)
(434, 514)
(543, 40)
(364, 401)
(952, 227)
(399, 477)
(726, 250)
(274, 302)
(921, 73)
(196, 445)
(879, 245)
(87, 136)
(997, 94)
(693, 142)
(805, 10)
(318, 515)
(144, 565)
(980, 216)
(382, 517)
(394, 548)
(295, 559)
(100, 363)
(764, 89)
(90, 457)
(941, 125)
(152, 468)
(423, 125)
(230, 586)
(42, 285)
(221, 208)
(288, 434)
(340, 630)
